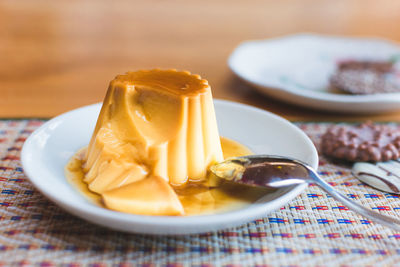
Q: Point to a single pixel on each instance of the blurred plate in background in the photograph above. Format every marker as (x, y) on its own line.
(296, 69)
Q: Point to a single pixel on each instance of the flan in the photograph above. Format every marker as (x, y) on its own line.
(156, 129)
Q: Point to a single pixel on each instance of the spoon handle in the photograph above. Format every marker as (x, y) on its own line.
(367, 213)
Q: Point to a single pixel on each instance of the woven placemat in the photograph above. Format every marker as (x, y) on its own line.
(312, 230)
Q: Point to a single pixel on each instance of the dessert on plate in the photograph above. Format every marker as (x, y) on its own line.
(366, 77)
(155, 138)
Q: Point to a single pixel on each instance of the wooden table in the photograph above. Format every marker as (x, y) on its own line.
(59, 55)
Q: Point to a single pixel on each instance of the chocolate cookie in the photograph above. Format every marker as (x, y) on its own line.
(365, 77)
(365, 142)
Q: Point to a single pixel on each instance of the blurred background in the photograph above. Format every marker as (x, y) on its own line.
(59, 55)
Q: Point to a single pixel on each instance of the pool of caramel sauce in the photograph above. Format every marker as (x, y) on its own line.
(213, 196)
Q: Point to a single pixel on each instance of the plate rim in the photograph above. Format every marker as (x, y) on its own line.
(293, 90)
(97, 213)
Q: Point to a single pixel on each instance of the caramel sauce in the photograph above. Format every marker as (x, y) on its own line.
(197, 198)
(74, 173)
(171, 81)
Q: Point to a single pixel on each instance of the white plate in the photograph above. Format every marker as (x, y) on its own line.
(49, 148)
(297, 68)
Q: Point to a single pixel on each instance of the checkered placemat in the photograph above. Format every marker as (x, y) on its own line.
(312, 230)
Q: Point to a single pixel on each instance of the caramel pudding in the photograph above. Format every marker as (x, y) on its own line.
(155, 138)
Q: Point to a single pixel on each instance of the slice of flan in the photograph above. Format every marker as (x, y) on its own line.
(156, 128)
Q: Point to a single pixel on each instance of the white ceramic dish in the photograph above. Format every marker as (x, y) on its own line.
(297, 68)
(49, 148)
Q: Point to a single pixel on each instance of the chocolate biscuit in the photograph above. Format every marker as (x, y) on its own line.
(365, 142)
(365, 77)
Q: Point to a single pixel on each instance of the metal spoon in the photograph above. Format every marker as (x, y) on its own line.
(276, 171)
